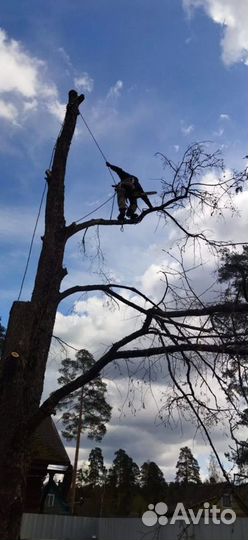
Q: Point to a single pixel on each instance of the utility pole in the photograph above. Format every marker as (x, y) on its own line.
(74, 474)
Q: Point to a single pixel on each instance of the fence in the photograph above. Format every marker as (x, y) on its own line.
(53, 527)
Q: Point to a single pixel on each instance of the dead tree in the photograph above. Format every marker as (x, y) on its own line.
(31, 323)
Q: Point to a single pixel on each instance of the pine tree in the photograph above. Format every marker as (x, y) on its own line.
(188, 470)
(152, 481)
(234, 273)
(122, 483)
(96, 472)
(124, 474)
(96, 412)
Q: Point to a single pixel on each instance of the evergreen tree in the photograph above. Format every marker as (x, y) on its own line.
(234, 273)
(188, 470)
(152, 481)
(122, 483)
(90, 399)
(124, 474)
(96, 472)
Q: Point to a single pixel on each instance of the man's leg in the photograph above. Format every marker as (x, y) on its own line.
(121, 200)
(146, 200)
(132, 208)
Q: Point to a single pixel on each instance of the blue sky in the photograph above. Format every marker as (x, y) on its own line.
(157, 75)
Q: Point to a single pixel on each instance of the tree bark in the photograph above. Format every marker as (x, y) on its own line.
(29, 335)
(74, 474)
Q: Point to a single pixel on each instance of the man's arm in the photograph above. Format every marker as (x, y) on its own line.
(123, 175)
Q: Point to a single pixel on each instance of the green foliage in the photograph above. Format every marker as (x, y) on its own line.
(234, 271)
(188, 470)
(96, 412)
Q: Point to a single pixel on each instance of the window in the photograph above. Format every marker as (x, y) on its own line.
(227, 500)
(50, 500)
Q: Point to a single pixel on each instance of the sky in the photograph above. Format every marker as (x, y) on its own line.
(157, 75)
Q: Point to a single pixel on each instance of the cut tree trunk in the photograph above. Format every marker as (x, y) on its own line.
(29, 334)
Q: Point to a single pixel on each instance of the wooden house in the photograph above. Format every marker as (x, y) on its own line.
(49, 457)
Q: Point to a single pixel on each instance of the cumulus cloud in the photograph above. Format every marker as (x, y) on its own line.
(8, 111)
(84, 82)
(232, 16)
(57, 109)
(23, 84)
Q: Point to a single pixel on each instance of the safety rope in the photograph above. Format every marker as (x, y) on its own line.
(37, 220)
(31, 243)
(100, 206)
(98, 146)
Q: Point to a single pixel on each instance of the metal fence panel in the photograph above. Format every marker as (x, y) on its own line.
(52, 527)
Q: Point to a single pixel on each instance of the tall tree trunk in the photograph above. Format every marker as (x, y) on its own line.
(29, 335)
(74, 474)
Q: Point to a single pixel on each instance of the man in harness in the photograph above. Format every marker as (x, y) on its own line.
(128, 189)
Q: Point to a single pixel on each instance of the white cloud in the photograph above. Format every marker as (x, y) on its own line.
(84, 82)
(233, 16)
(93, 326)
(24, 82)
(186, 130)
(57, 109)
(224, 116)
(8, 111)
(116, 89)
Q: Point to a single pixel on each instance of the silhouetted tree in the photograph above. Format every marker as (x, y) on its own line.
(152, 481)
(122, 480)
(188, 470)
(96, 472)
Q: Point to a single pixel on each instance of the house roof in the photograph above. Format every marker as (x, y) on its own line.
(193, 495)
(47, 446)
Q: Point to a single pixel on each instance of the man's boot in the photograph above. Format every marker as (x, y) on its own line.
(121, 216)
(132, 214)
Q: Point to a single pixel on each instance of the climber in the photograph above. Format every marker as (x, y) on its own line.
(128, 189)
